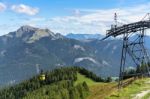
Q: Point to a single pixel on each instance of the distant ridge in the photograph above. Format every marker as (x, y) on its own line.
(84, 36)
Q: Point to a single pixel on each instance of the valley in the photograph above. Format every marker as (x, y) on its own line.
(26, 48)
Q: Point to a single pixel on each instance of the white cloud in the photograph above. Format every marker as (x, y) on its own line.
(25, 9)
(2, 6)
(96, 21)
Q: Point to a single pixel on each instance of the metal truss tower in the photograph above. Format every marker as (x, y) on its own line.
(133, 45)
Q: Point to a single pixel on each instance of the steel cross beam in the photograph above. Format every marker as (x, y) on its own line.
(127, 28)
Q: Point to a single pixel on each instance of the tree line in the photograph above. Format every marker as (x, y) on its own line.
(141, 70)
(58, 84)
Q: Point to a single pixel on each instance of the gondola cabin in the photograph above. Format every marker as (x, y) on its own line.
(42, 77)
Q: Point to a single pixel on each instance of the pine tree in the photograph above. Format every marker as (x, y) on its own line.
(85, 86)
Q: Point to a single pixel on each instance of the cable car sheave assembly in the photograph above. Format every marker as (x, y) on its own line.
(131, 47)
(127, 28)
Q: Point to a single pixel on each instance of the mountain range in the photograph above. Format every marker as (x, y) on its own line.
(24, 52)
(84, 36)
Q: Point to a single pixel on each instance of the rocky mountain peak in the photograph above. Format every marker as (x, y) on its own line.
(26, 28)
(31, 34)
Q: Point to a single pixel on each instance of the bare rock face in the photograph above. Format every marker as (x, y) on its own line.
(25, 30)
(31, 34)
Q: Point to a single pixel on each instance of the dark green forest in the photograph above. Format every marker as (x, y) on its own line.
(58, 84)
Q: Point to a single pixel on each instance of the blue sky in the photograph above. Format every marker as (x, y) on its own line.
(69, 16)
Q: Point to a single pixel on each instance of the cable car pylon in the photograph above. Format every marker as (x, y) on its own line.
(132, 44)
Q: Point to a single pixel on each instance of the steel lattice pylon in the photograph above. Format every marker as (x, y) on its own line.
(136, 50)
(133, 47)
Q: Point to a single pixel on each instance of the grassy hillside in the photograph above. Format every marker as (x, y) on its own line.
(82, 78)
(75, 83)
(63, 83)
(101, 90)
(45, 91)
(139, 89)
(98, 90)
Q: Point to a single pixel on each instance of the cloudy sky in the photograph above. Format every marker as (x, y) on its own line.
(70, 16)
